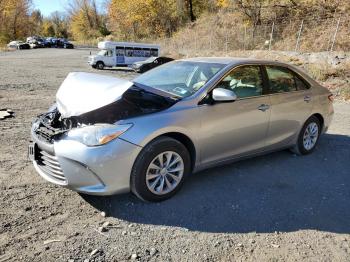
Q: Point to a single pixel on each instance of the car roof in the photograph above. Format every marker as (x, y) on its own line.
(233, 60)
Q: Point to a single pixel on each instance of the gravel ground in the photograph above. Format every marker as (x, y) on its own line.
(278, 207)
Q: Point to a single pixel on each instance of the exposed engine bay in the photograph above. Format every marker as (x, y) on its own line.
(134, 102)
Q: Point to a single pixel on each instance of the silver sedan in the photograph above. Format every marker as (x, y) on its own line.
(106, 135)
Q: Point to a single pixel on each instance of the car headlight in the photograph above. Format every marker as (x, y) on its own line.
(98, 134)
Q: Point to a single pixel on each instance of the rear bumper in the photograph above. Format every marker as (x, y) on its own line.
(101, 170)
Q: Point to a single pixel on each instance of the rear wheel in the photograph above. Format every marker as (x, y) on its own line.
(100, 65)
(160, 169)
(308, 137)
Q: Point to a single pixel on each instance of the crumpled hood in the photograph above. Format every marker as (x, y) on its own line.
(84, 92)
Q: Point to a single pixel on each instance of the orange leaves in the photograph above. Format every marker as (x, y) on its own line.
(142, 18)
(85, 21)
(14, 19)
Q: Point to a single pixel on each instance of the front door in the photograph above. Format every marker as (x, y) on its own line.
(239, 127)
(109, 59)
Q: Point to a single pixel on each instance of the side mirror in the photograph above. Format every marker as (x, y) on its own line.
(222, 94)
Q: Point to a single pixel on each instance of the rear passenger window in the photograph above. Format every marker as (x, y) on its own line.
(301, 85)
(280, 79)
(129, 51)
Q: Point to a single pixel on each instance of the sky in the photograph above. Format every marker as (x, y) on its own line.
(48, 6)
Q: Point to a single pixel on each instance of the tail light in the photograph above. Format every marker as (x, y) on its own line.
(331, 98)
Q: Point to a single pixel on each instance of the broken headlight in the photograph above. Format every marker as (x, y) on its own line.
(98, 134)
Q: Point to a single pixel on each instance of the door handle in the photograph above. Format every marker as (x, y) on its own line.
(307, 99)
(263, 107)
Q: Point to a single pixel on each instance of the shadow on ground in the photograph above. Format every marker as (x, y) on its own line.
(276, 192)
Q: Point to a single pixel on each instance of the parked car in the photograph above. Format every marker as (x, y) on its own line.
(18, 45)
(36, 43)
(46, 43)
(52, 41)
(150, 63)
(66, 44)
(149, 134)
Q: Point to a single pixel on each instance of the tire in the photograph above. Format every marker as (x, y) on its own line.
(302, 147)
(157, 178)
(100, 65)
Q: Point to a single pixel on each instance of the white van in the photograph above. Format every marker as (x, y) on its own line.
(122, 54)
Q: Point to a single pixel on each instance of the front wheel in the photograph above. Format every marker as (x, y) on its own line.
(308, 137)
(100, 65)
(160, 169)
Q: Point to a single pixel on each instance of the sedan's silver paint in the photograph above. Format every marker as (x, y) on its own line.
(84, 92)
(101, 169)
(229, 129)
(218, 132)
(289, 112)
(221, 94)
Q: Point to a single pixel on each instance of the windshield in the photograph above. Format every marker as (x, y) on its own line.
(103, 52)
(179, 78)
(151, 59)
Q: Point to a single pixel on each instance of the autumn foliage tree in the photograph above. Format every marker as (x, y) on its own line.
(14, 19)
(85, 20)
(150, 19)
(135, 19)
(141, 18)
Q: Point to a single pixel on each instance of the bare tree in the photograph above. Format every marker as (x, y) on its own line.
(252, 9)
(190, 9)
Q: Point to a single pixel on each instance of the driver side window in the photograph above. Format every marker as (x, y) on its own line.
(245, 81)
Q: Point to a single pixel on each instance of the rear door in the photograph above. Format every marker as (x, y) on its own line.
(291, 104)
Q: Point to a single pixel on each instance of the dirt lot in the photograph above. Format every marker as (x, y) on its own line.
(278, 207)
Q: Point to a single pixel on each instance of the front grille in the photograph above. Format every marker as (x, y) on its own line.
(50, 166)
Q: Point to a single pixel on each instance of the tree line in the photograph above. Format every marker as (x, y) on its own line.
(145, 19)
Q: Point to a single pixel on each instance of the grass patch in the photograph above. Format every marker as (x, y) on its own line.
(325, 71)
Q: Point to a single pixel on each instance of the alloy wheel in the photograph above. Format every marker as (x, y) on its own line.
(310, 136)
(165, 172)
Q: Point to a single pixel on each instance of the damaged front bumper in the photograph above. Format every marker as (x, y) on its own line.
(98, 170)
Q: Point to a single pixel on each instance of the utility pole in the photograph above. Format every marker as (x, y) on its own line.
(271, 36)
(335, 35)
(299, 35)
